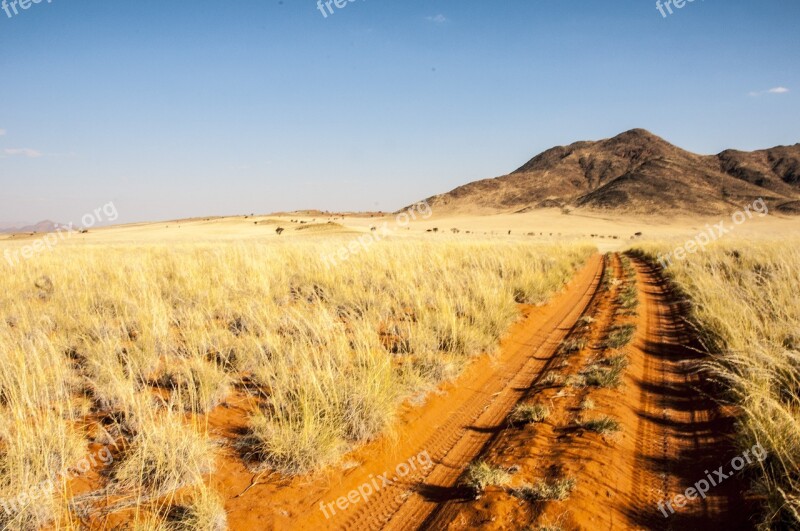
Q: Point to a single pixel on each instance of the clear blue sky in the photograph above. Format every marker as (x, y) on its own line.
(175, 109)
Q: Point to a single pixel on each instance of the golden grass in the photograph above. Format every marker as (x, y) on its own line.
(133, 345)
(744, 299)
(163, 458)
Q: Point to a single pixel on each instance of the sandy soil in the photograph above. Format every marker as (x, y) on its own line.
(609, 233)
(672, 433)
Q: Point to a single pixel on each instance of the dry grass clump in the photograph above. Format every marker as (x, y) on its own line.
(553, 490)
(628, 298)
(38, 440)
(608, 275)
(204, 511)
(602, 425)
(744, 301)
(37, 452)
(573, 344)
(199, 385)
(607, 372)
(165, 455)
(481, 474)
(620, 335)
(553, 379)
(527, 413)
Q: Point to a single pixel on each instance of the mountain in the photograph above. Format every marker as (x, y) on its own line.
(636, 172)
(42, 226)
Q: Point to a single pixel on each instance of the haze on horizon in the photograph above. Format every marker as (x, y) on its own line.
(244, 107)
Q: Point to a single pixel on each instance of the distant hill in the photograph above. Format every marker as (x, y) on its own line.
(636, 172)
(42, 226)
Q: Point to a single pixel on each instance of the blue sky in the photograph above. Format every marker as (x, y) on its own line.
(174, 109)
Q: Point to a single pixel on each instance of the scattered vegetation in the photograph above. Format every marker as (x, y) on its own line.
(608, 275)
(628, 298)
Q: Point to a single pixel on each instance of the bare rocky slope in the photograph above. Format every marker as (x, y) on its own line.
(636, 172)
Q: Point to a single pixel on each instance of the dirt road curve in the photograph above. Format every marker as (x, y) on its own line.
(671, 433)
(454, 427)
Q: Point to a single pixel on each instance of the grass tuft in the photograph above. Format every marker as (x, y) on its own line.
(620, 335)
(481, 474)
(528, 413)
(166, 455)
(553, 490)
(601, 425)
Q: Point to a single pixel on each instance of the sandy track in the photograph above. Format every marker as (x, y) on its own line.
(672, 432)
(539, 354)
(454, 426)
(681, 432)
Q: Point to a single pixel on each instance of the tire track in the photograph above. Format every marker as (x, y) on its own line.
(468, 424)
(672, 432)
(551, 444)
(682, 431)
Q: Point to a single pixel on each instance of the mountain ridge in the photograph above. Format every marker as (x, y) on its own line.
(635, 172)
(41, 227)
